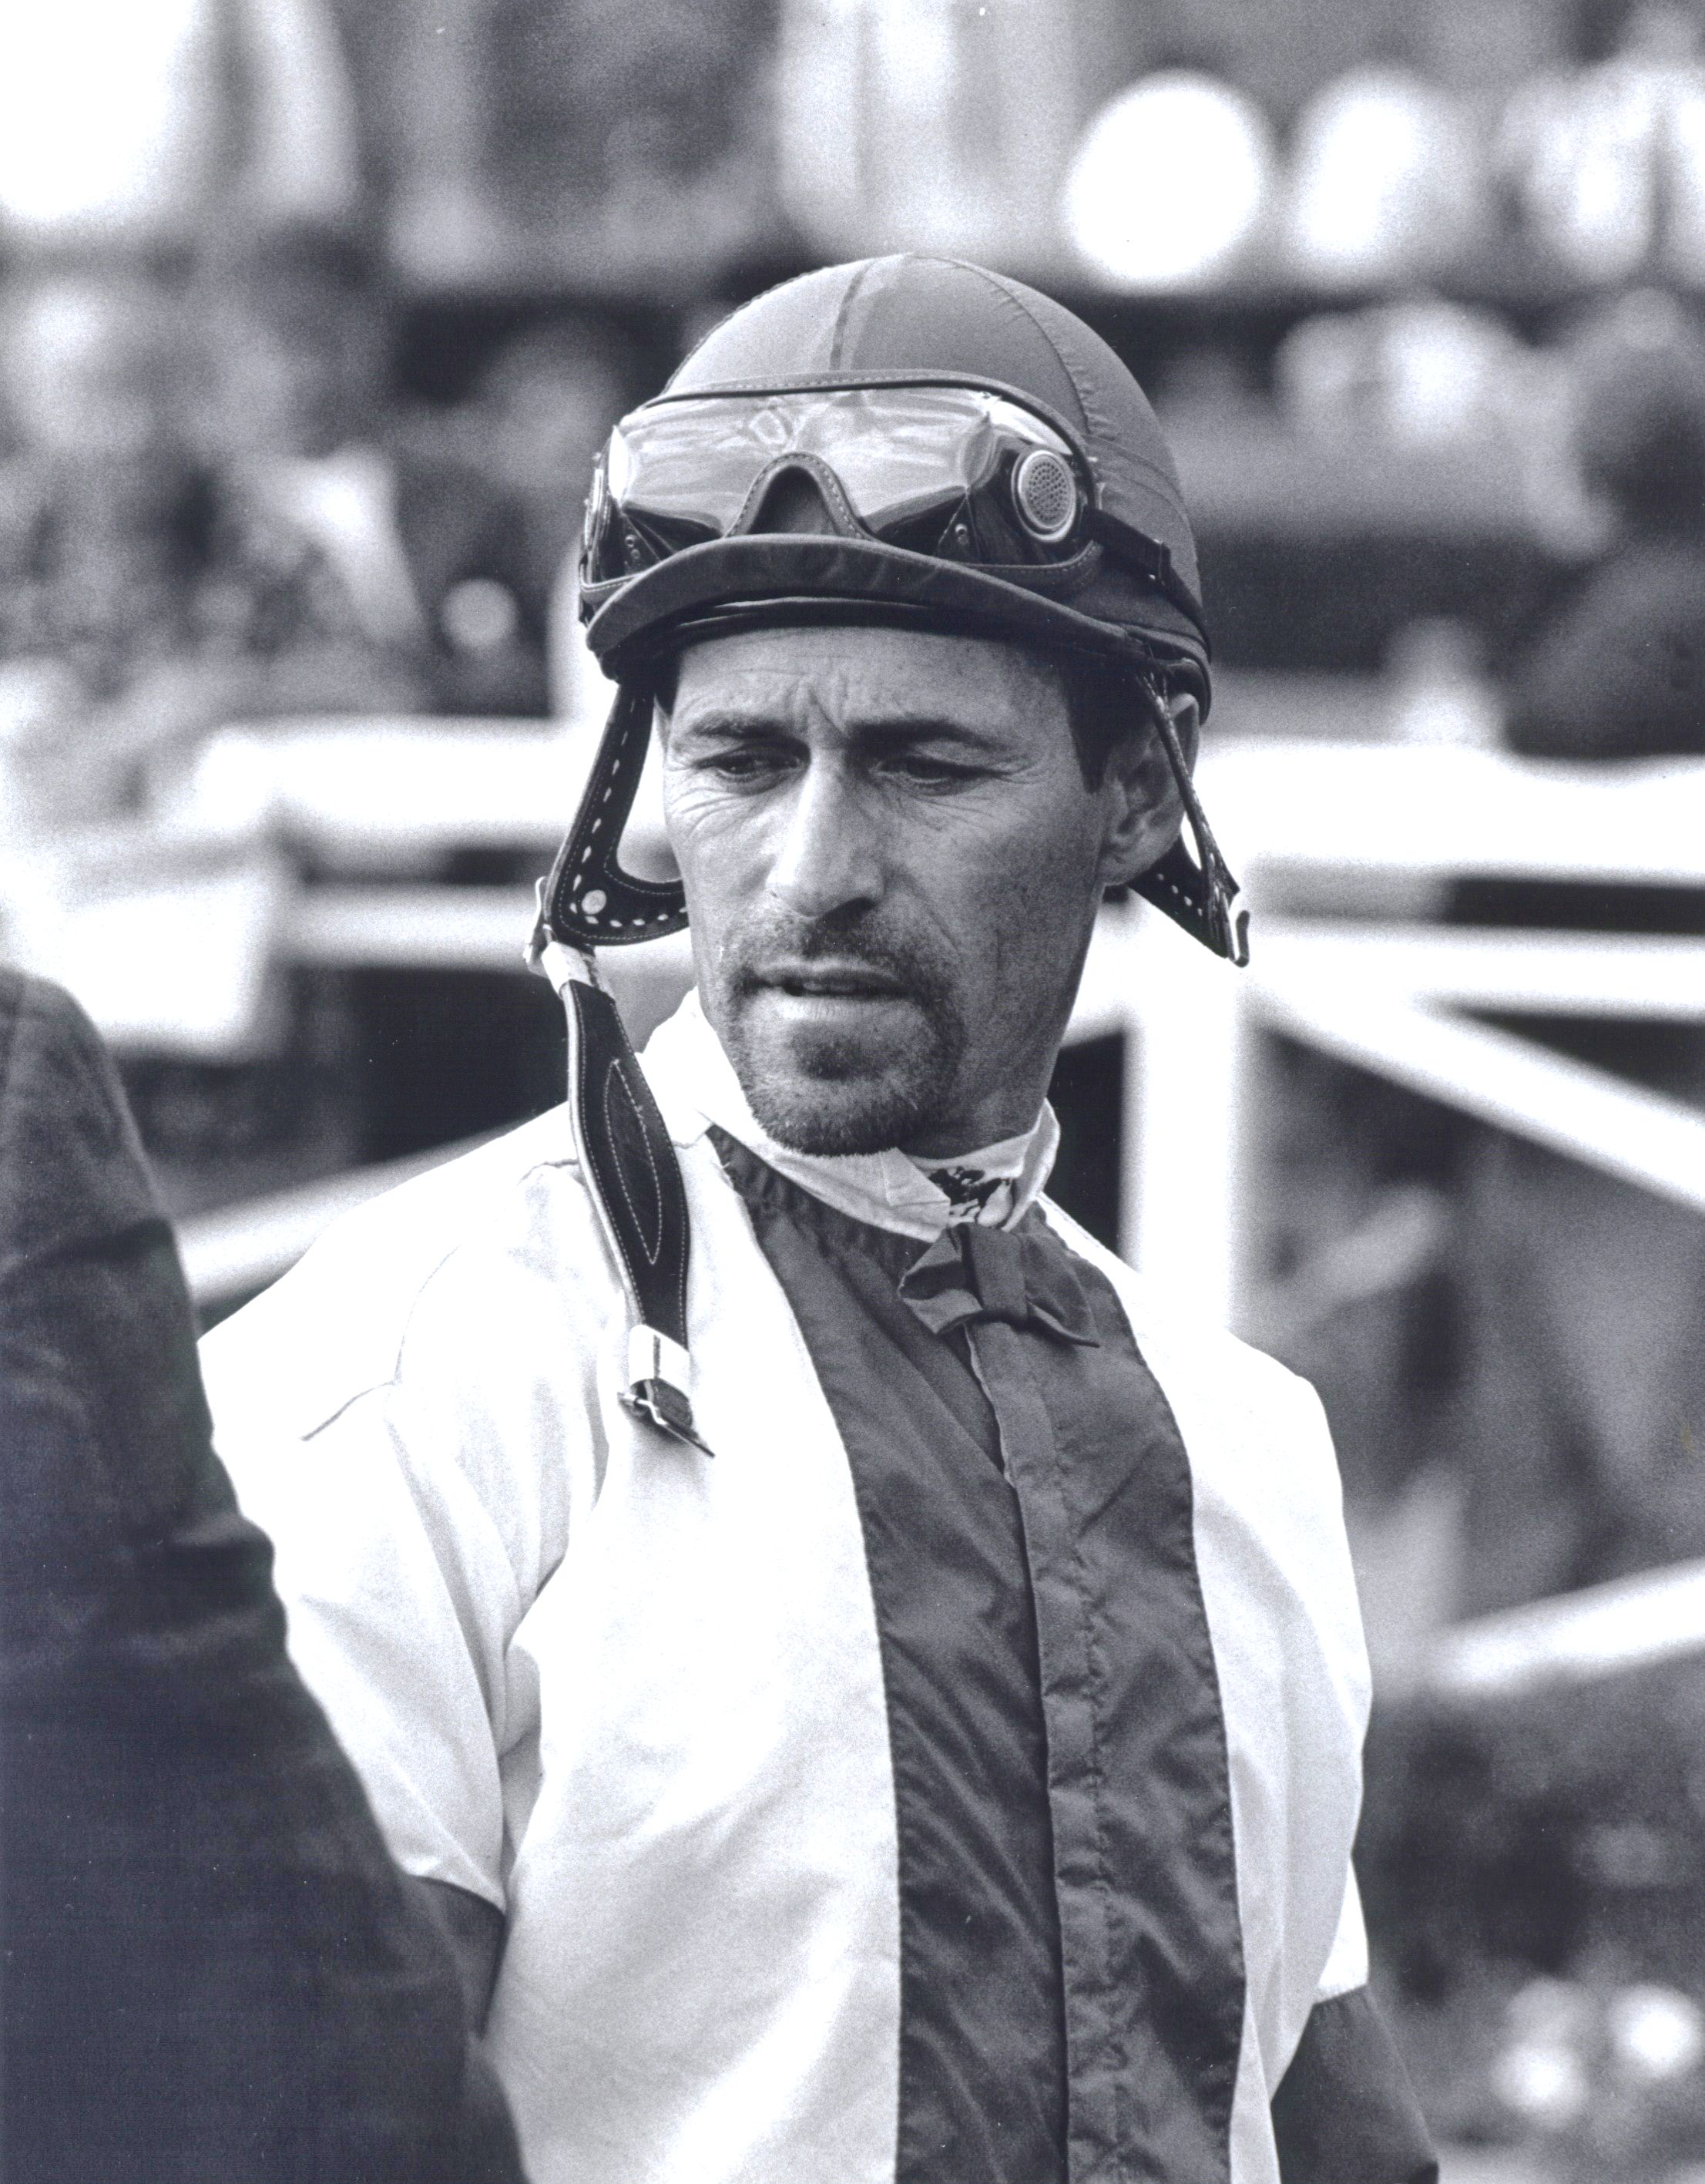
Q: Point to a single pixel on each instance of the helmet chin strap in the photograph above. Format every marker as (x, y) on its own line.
(589, 901)
(637, 1190)
(1204, 897)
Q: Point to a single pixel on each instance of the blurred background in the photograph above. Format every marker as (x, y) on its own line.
(313, 315)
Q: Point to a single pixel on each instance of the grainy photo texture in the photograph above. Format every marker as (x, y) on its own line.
(852, 1092)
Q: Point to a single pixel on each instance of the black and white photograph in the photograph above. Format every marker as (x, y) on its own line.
(852, 1092)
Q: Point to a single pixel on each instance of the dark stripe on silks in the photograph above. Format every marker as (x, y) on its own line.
(982, 2057)
(1125, 1778)
(1139, 1775)
(1345, 2113)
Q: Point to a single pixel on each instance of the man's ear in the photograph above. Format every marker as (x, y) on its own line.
(1144, 810)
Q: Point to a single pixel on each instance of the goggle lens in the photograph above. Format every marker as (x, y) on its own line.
(948, 471)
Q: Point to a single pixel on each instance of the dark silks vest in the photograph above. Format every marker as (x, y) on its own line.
(1072, 1990)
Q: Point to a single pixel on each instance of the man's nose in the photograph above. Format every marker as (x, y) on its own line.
(826, 854)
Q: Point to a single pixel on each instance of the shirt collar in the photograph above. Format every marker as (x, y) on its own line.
(696, 1085)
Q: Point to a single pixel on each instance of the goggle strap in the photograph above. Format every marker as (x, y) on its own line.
(1203, 896)
(590, 901)
(1151, 559)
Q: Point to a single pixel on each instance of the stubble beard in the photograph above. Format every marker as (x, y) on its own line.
(830, 1095)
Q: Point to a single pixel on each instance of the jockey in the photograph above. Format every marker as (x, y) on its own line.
(877, 1686)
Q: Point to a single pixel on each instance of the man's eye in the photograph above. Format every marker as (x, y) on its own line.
(926, 771)
(744, 766)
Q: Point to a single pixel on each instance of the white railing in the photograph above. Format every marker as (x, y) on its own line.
(1630, 1622)
(1332, 821)
(1390, 1001)
(1350, 821)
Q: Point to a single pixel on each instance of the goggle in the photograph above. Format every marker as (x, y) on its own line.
(955, 472)
(958, 473)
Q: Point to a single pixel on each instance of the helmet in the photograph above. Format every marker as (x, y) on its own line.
(906, 438)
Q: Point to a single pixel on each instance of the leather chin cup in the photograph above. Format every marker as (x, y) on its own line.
(589, 901)
(1203, 896)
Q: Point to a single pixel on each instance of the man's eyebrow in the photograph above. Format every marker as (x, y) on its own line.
(725, 721)
(912, 727)
(883, 727)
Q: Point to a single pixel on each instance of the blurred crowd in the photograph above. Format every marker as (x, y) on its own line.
(1514, 147)
(224, 494)
(212, 508)
(220, 498)
(231, 500)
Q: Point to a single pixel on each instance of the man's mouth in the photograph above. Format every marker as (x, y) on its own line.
(829, 981)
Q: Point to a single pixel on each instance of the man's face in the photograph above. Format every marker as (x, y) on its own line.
(892, 863)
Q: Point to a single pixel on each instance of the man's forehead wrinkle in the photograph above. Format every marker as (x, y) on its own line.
(848, 704)
(750, 700)
(907, 671)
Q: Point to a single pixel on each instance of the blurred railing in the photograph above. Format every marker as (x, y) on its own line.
(1371, 827)
(1629, 1622)
(1385, 995)
(1362, 828)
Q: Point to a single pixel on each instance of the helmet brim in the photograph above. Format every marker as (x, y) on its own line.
(780, 577)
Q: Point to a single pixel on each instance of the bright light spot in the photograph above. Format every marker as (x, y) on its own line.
(1658, 2032)
(1169, 181)
(479, 615)
(103, 107)
(1544, 2084)
(1383, 179)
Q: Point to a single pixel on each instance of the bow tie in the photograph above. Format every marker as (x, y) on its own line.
(1020, 1276)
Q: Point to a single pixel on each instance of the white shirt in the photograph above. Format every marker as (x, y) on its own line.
(634, 1699)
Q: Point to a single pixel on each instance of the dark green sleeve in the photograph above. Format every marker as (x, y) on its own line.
(212, 1967)
(1345, 2113)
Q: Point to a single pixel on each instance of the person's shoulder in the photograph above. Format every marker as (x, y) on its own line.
(69, 1152)
(33, 1010)
(458, 1241)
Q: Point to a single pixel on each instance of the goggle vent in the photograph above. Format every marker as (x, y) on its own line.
(1045, 492)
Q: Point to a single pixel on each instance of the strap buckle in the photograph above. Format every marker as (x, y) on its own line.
(635, 1180)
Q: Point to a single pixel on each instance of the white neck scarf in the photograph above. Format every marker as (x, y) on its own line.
(996, 1185)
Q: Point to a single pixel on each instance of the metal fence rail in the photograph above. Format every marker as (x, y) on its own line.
(1394, 999)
